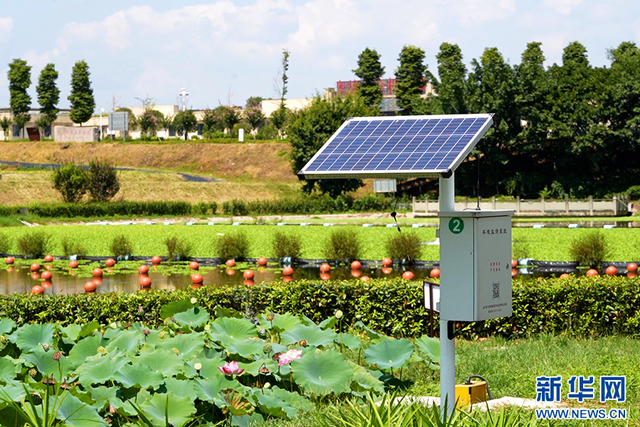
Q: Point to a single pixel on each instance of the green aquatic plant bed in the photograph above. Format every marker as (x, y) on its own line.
(198, 368)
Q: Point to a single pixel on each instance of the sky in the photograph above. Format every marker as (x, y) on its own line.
(224, 52)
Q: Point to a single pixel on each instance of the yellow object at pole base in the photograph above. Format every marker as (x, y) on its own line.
(470, 393)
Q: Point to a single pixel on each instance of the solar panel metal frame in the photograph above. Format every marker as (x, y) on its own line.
(446, 171)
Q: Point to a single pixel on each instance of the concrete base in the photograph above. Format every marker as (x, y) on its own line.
(489, 404)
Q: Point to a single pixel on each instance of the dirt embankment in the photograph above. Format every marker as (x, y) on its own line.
(265, 161)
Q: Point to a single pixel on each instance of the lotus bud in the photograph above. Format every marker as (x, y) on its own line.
(194, 300)
(267, 348)
(267, 385)
(33, 372)
(162, 334)
(303, 343)
(176, 351)
(3, 339)
(270, 317)
(101, 349)
(197, 366)
(207, 327)
(146, 332)
(56, 356)
(338, 314)
(45, 346)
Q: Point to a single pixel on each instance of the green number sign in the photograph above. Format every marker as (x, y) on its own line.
(456, 225)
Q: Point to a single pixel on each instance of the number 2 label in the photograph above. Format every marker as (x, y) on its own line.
(456, 225)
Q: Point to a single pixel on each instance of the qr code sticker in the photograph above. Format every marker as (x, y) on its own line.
(496, 290)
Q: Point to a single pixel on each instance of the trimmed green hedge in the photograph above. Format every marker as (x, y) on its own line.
(578, 306)
(89, 210)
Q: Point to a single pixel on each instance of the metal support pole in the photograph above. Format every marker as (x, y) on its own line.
(447, 346)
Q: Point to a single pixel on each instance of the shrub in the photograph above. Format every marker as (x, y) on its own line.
(633, 192)
(404, 246)
(232, 245)
(72, 248)
(178, 249)
(103, 181)
(121, 246)
(343, 245)
(71, 181)
(35, 244)
(5, 243)
(267, 132)
(286, 245)
(590, 249)
(235, 208)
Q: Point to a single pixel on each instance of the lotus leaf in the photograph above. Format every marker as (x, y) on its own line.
(328, 323)
(390, 354)
(227, 329)
(280, 322)
(247, 420)
(166, 409)
(312, 334)
(253, 368)
(348, 340)
(169, 310)
(430, 347)
(246, 348)
(71, 333)
(281, 403)
(86, 348)
(181, 388)
(363, 381)
(322, 373)
(209, 367)
(43, 360)
(164, 361)
(188, 345)
(209, 389)
(74, 413)
(6, 325)
(127, 341)
(8, 370)
(101, 370)
(138, 375)
(373, 335)
(194, 317)
(32, 336)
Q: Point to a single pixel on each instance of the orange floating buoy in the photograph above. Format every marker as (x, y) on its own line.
(434, 272)
(514, 263)
(324, 268)
(632, 267)
(110, 262)
(564, 276)
(73, 264)
(248, 274)
(90, 287)
(194, 265)
(48, 258)
(156, 260)
(287, 271)
(408, 275)
(387, 262)
(197, 278)
(356, 265)
(262, 261)
(143, 269)
(37, 290)
(145, 281)
(592, 272)
(35, 267)
(611, 270)
(230, 263)
(9, 260)
(97, 272)
(46, 275)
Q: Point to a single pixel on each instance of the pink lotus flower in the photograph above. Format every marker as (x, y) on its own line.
(231, 368)
(289, 357)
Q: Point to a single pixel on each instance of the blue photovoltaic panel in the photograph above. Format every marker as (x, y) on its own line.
(398, 147)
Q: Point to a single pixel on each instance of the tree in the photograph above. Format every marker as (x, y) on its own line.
(19, 76)
(81, 97)
(5, 124)
(103, 183)
(185, 122)
(279, 117)
(255, 119)
(369, 71)
(230, 118)
(312, 126)
(48, 93)
(165, 122)
(254, 102)
(452, 73)
(410, 77)
(211, 122)
(71, 181)
(149, 121)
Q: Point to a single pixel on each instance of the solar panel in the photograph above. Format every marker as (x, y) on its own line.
(398, 147)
